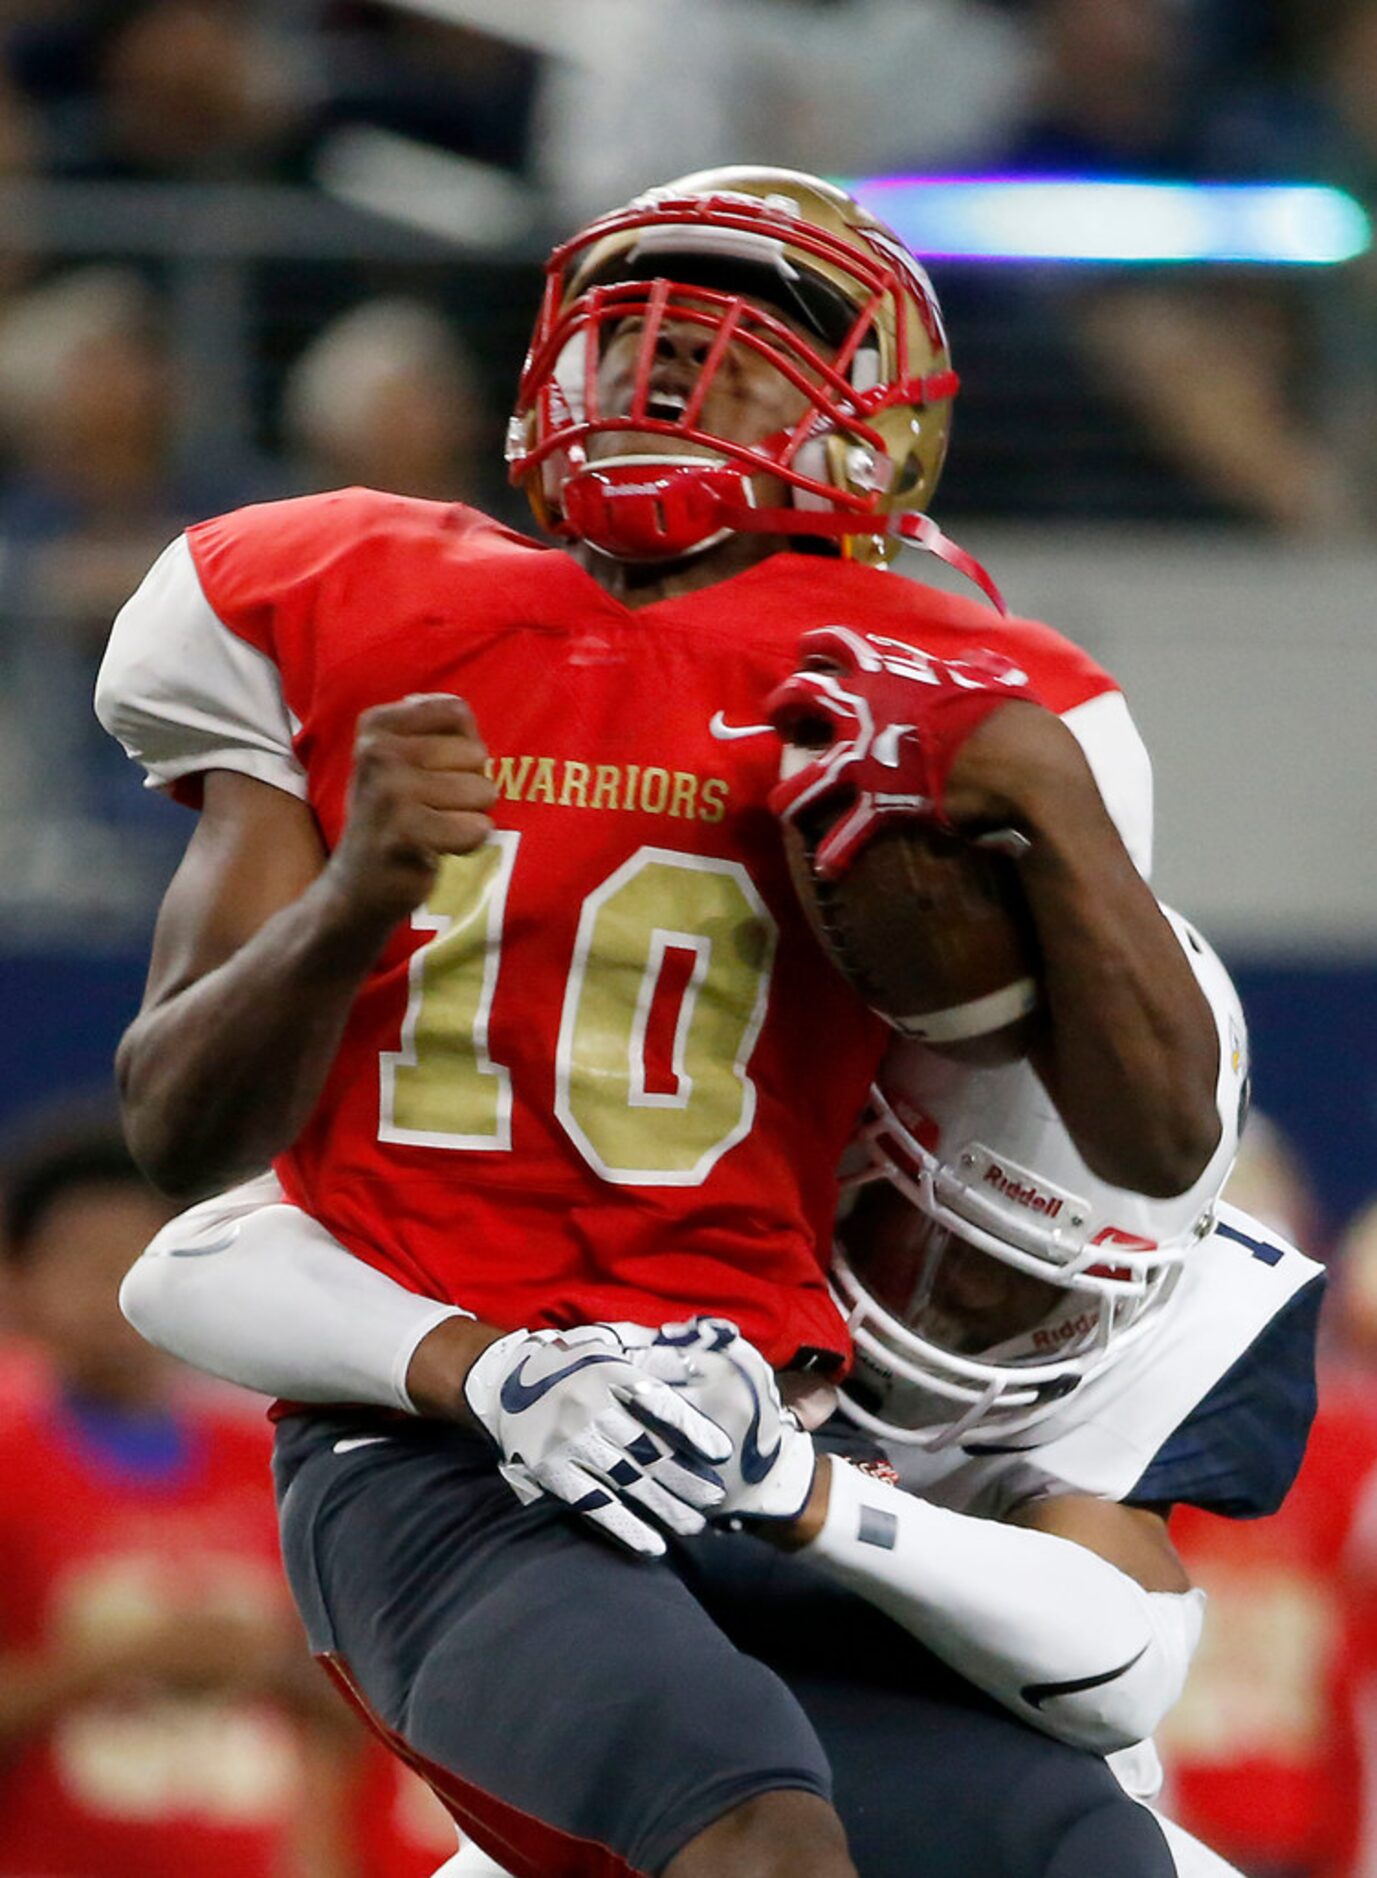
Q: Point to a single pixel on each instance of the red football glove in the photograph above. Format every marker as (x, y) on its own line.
(882, 722)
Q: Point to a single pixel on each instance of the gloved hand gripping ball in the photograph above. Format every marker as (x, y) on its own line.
(929, 924)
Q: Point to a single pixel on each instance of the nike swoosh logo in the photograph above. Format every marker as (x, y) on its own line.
(517, 1395)
(754, 1464)
(1036, 1693)
(886, 745)
(350, 1442)
(724, 732)
(995, 1447)
(222, 1244)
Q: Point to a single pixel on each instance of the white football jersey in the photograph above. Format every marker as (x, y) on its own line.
(1211, 1409)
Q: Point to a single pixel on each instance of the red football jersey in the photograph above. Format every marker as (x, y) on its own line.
(395, 1826)
(140, 1781)
(1265, 1751)
(605, 1072)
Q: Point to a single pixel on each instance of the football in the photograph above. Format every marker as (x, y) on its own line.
(933, 932)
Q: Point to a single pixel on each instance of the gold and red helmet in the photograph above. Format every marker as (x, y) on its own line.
(797, 271)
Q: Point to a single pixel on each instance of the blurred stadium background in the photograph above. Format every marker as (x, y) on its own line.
(251, 249)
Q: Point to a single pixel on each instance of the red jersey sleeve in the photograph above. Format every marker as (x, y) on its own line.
(267, 569)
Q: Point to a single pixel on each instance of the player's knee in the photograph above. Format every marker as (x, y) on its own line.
(1120, 1837)
(1058, 1812)
(775, 1835)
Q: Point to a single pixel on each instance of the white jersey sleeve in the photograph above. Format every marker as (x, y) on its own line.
(1121, 767)
(184, 694)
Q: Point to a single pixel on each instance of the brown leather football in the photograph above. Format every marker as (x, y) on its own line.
(934, 933)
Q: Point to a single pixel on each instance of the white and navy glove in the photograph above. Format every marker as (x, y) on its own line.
(770, 1472)
(576, 1416)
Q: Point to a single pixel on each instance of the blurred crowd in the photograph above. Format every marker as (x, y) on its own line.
(144, 383)
(159, 1713)
(1272, 1751)
(183, 330)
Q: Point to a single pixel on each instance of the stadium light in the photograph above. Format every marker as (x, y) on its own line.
(1031, 218)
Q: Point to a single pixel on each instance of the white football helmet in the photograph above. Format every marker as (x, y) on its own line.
(984, 1271)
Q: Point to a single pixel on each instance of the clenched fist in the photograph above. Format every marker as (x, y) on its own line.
(418, 792)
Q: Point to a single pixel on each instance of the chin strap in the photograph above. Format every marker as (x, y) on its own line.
(664, 511)
(920, 531)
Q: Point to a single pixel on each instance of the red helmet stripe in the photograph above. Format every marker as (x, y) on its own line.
(650, 339)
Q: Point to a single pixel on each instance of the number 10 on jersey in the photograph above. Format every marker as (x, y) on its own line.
(442, 1088)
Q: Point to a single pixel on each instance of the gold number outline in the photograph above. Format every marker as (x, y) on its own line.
(428, 962)
(567, 1097)
(582, 1104)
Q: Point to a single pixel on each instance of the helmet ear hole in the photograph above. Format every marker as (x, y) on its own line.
(908, 476)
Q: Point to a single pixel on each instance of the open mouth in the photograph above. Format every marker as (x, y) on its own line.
(667, 407)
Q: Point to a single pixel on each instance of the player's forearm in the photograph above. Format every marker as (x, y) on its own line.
(1064, 1639)
(1129, 1050)
(220, 1076)
(262, 1296)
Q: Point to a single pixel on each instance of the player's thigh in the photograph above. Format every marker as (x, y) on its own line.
(566, 1702)
(928, 1774)
(936, 1774)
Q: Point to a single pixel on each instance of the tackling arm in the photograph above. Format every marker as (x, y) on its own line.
(1077, 1616)
(257, 1292)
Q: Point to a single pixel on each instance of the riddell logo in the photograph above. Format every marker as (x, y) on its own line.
(1022, 1193)
(1056, 1334)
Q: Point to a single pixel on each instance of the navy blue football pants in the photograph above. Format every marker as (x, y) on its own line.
(585, 1715)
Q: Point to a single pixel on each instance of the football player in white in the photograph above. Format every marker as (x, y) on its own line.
(1050, 1363)
(1044, 1365)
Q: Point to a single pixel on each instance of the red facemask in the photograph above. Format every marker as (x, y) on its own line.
(668, 504)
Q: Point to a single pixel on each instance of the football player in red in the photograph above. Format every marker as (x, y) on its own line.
(157, 1713)
(485, 939)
